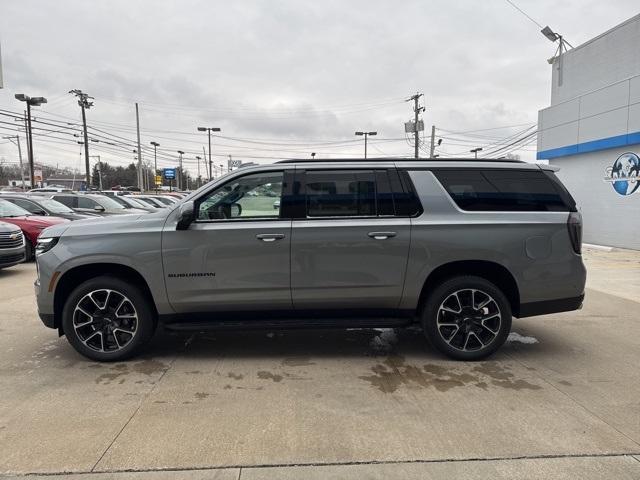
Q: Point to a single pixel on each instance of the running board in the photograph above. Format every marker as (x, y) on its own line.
(284, 323)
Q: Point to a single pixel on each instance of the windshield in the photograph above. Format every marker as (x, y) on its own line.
(54, 206)
(135, 203)
(108, 202)
(164, 200)
(8, 209)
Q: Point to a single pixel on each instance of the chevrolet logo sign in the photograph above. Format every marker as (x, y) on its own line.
(14, 236)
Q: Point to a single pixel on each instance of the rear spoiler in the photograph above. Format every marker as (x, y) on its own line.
(552, 168)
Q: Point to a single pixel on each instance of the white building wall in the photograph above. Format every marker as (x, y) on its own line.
(594, 118)
(609, 217)
(603, 60)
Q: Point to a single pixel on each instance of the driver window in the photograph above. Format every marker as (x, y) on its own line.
(252, 196)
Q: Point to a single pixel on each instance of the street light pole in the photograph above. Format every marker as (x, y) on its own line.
(180, 177)
(155, 163)
(475, 151)
(209, 130)
(366, 135)
(36, 102)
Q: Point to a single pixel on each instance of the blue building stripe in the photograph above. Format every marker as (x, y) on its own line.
(592, 146)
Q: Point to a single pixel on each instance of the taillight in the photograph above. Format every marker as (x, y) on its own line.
(574, 224)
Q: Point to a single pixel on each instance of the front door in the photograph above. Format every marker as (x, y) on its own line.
(235, 256)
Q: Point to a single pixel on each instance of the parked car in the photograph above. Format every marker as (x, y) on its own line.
(127, 201)
(52, 189)
(114, 193)
(152, 202)
(94, 203)
(31, 225)
(455, 247)
(39, 205)
(164, 199)
(12, 247)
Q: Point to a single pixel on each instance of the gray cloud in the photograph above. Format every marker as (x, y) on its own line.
(288, 69)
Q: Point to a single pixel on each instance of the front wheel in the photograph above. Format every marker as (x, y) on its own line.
(107, 319)
(467, 318)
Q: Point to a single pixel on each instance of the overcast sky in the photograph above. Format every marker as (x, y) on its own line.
(291, 75)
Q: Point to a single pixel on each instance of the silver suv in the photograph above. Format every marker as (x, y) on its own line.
(458, 247)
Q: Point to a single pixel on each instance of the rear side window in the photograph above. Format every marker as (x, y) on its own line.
(346, 193)
(503, 190)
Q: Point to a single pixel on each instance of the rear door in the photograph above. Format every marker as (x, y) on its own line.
(350, 240)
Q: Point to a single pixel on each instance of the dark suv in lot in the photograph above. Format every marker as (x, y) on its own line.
(457, 247)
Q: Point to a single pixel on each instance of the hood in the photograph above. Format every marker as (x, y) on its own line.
(111, 224)
(8, 227)
(35, 220)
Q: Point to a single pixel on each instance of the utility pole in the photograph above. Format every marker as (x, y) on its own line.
(85, 102)
(205, 162)
(140, 178)
(417, 109)
(180, 177)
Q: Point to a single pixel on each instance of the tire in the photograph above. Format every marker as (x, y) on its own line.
(28, 250)
(110, 333)
(467, 318)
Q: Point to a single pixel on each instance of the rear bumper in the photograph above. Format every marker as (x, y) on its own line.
(551, 306)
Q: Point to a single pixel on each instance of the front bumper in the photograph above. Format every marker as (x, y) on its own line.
(12, 256)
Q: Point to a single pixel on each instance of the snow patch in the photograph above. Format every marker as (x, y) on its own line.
(516, 337)
(384, 341)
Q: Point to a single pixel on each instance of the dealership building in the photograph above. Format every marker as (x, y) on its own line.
(591, 132)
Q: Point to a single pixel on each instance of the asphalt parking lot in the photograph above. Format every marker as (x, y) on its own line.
(561, 399)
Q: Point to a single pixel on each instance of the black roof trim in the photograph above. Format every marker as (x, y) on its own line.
(396, 159)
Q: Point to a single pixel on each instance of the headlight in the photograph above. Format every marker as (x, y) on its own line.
(45, 244)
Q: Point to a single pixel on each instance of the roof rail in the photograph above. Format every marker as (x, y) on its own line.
(396, 159)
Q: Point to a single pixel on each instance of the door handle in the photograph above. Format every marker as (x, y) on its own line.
(381, 235)
(270, 237)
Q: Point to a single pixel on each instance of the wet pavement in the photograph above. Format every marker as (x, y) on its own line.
(561, 396)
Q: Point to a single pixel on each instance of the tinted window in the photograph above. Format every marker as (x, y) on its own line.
(69, 201)
(26, 204)
(501, 190)
(252, 196)
(341, 193)
(405, 198)
(84, 202)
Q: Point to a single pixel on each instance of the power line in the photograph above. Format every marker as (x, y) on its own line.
(524, 13)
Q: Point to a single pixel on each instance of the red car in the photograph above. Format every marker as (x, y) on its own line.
(31, 225)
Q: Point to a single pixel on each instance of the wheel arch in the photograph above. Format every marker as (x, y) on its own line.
(494, 272)
(76, 275)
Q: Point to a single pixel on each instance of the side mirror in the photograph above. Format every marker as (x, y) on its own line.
(39, 212)
(186, 215)
(99, 208)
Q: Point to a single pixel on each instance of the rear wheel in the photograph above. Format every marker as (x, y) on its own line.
(106, 319)
(467, 318)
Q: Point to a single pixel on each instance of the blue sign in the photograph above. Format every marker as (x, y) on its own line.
(624, 175)
(169, 173)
